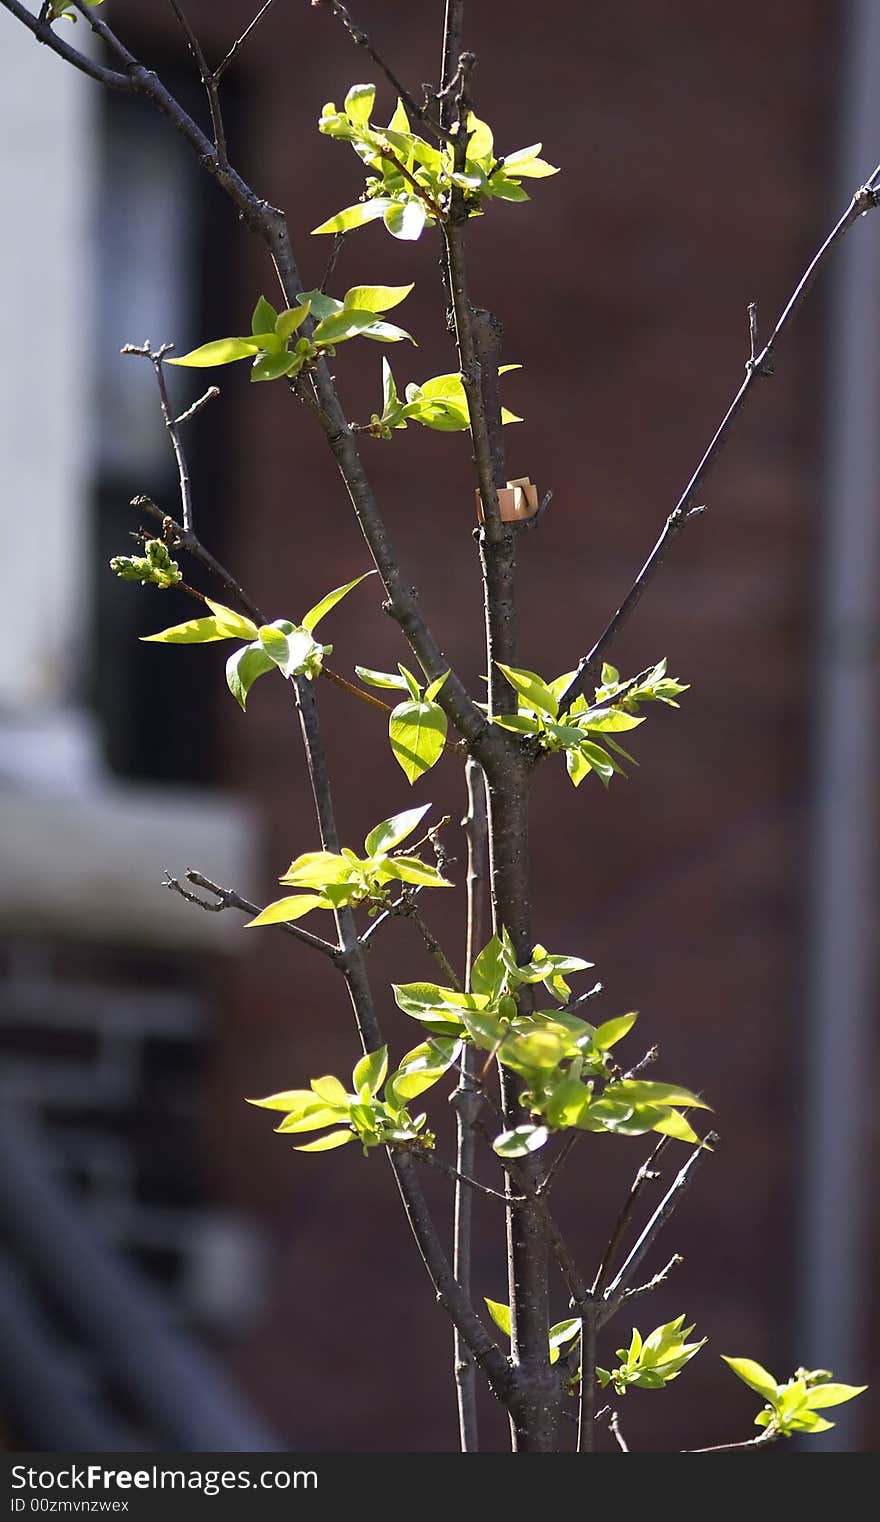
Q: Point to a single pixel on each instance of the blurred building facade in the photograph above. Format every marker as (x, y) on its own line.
(726, 889)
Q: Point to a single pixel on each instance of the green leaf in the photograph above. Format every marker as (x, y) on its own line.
(433, 688)
(331, 1091)
(423, 1066)
(411, 869)
(417, 732)
(612, 1031)
(359, 103)
(389, 389)
(753, 1375)
(500, 1314)
(672, 1123)
(198, 631)
(534, 693)
(355, 216)
(832, 1394)
(608, 720)
(525, 164)
(319, 304)
(481, 144)
(285, 910)
(311, 619)
(488, 971)
(316, 869)
(375, 298)
(269, 367)
(313, 1118)
(342, 325)
(369, 1074)
(564, 1331)
(264, 318)
(520, 1141)
(381, 678)
(291, 319)
(405, 219)
(328, 1142)
(412, 685)
(243, 668)
(392, 831)
(293, 1101)
(234, 623)
(292, 650)
(637, 1091)
(223, 351)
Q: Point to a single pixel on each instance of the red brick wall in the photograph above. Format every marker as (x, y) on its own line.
(695, 143)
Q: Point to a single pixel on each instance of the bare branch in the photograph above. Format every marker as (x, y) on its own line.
(658, 1279)
(614, 1429)
(467, 1099)
(614, 1294)
(43, 31)
(172, 424)
(184, 539)
(759, 365)
(209, 81)
(227, 898)
(763, 1440)
(360, 38)
(646, 1173)
(424, 1155)
(239, 41)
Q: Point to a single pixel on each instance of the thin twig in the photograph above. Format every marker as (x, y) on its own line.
(467, 1098)
(202, 401)
(172, 423)
(336, 250)
(614, 1429)
(43, 31)
(646, 1173)
(424, 1155)
(614, 1294)
(227, 898)
(763, 1440)
(184, 539)
(587, 1388)
(658, 1279)
(758, 366)
(209, 81)
(222, 67)
(342, 13)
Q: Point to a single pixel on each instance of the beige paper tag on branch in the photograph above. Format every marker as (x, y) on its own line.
(516, 501)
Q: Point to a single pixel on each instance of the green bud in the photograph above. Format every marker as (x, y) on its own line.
(154, 568)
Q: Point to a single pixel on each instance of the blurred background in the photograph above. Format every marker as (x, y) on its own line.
(171, 1275)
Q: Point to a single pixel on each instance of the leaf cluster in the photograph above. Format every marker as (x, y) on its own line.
(410, 183)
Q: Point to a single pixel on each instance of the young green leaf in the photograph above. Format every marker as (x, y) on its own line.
(382, 678)
(520, 1141)
(369, 1074)
(264, 318)
(355, 216)
(328, 1142)
(243, 668)
(291, 319)
(391, 832)
(753, 1375)
(311, 619)
(197, 631)
(534, 694)
(500, 1314)
(285, 910)
(222, 351)
(375, 298)
(405, 219)
(417, 732)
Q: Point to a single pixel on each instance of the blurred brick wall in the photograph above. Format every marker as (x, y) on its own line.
(695, 143)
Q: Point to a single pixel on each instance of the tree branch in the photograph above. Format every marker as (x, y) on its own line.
(43, 31)
(227, 898)
(646, 1173)
(360, 38)
(866, 198)
(763, 1440)
(172, 424)
(239, 41)
(614, 1294)
(209, 81)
